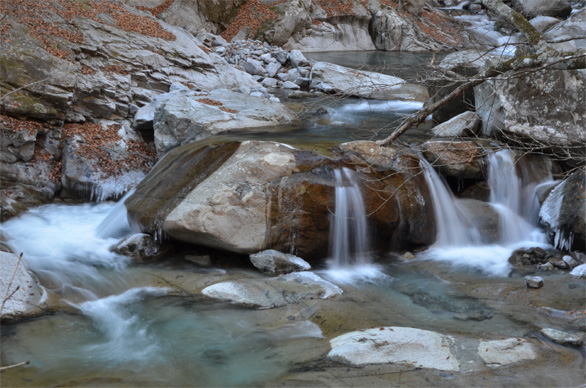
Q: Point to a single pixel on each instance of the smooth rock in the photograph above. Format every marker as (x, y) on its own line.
(402, 345)
(504, 352)
(458, 158)
(140, 247)
(534, 281)
(297, 58)
(563, 338)
(533, 8)
(254, 67)
(272, 262)
(465, 124)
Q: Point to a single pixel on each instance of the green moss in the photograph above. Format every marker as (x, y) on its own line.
(526, 28)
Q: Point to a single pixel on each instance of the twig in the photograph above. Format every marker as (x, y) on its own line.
(15, 365)
(6, 294)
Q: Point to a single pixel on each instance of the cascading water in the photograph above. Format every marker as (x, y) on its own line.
(459, 240)
(349, 235)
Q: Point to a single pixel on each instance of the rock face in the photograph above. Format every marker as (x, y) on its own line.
(274, 262)
(284, 196)
(404, 345)
(274, 292)
(457, 158)
(533, 8)
(549, 117)
(28, 298)
(189, 116)
(564, 211)
(504, 352)
(330, 78)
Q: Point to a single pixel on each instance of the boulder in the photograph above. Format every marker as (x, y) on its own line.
(543, 23)
(548, 118)
(330, 78)
(204, 194)
(570, 33)
(486, 219)
(396, 345)
(274, 262)
(27, 297)
(563, 338)
(457, 158)
(563, 214)
(273, 292)
(504, 352)
(189, 116)
(533, 8)
(465, 124)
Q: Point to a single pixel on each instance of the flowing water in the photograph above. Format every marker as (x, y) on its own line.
(122, 324)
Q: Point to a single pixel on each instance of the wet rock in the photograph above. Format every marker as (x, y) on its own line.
(548, 118)
(563, 213)
(273, 292)
(190, 116)
(140, 247)
(397, 345)
(534, 281)
(457, 158)
(504, 352)
(485, 217)
(579, 271)
(273, 262)
(465, 124)
(330, 78)
(200, 260)
(562, 337)
(27, 297)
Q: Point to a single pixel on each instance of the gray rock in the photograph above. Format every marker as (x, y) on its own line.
(396, 345)
(297, 59)
(549, 117)
(534, 281)
(182, 118)
(140, 247)
(302, 82)
(579, 271)
(533, 8)
(254, 67)
(28, 298)
(458, 158)
(563, 213)
(280, 56)
(563, 338)
(330, 78)
(273, 292)
(273, 68)
(570, 33)
(464, 124)
(273, 262)
(269, 82)
(504, 352)
(293, 74)
(290, 85)
(543, 23)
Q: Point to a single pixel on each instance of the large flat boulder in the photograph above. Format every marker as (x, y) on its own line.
(331, 78)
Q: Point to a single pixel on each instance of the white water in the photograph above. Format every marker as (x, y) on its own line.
(459, 241)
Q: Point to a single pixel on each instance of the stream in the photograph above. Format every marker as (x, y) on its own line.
(117, 323)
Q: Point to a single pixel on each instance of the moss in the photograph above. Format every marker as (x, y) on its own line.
(526, 28)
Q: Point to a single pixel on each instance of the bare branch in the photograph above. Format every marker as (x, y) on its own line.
(7, 294)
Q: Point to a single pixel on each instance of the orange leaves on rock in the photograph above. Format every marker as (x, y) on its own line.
(337, 7)
(208, 101)
(438, 27)
(20, 125)
(158, 9)
(253, 14)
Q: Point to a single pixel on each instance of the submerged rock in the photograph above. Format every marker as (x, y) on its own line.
(27, 297)
(402, 345)
(504, 352)
(330, 78)
(273, 262)
(273, 292)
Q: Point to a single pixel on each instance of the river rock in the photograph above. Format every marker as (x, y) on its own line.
(504, 352)
(204, 194)
(548, 118)
(579, 271)
(465, 124)
(189, 116)
(563, 338)
(140, 247)
(397, 345)
(570, 33)
(533, 8)
(457, 158)
(330, 78)
(543, 23)
(274, 262)
(28, 298)
(485, 217)
(563, 214)
(273, 292)
(534, 281)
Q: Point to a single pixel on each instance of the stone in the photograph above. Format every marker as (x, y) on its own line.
(563, 338)
(272, 262)
(185, 118)
(396, 345)
(28, 297)
(330, 78)
(534, 281)
(464, 124)
(273, 292)
(297, 58)
(457, 158)
(290, 85)
(504, 352)
(269, 82)
(579, 271)
(571, 34)
(200, 260)
(533, 8)
(543, 23)
(273, 68)
(140, 247)
(549, 118)
(254, 67)
(563, 214)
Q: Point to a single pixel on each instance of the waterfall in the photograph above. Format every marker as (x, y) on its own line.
(454, 226)
(116, 222)
(349, 232)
